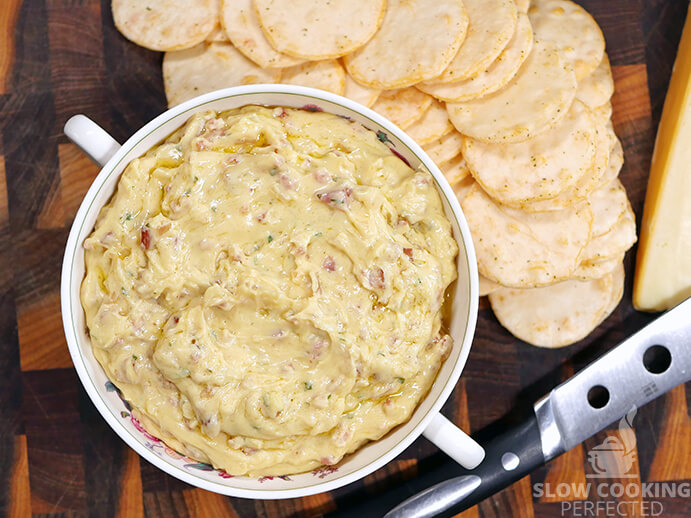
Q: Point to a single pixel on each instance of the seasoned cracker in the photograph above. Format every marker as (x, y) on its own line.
(520, 249)
(597, 269)
(403, 106)
(321, 29)
(327, 75)
(433, 124)
(165, 24)
(557, 315)
(608, 203)
(596, 88)
(490, 27)
(615, 162)
(487, 286)
(586, 184)
(497, 75)
(242, 27)
(533, 101)
(455, 169)
(416, 41)
(537, 168)
(617, 240)
(208, 67)
(444, 148)
(359, 93)
(571, 29)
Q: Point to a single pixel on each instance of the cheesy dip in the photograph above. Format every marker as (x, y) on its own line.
(265, 288)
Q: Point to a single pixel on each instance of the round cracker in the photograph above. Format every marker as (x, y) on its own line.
(579, 191)
(604, 112)
(359, 93)
(538, 168)
(615, 162)
(165, 24)
(395, 59)
(217, 35)
(455, 170)
(403, 106)
(497, 75)
(327, 75)
(317, 30)
(208, 67)
(462, 189)
(242, 27)
(618, 277)
(533, 101)
(608, 204)
(433, 124)
(521, 249)
(615, 241)
(487, 286)
(444, 148)
(572, 30)
(491, 23)
(597, 269)
(596, 89)
(557, 315)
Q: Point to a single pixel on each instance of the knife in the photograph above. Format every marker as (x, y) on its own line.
(651, 362)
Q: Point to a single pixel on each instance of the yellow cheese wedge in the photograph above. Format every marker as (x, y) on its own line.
(663, 265)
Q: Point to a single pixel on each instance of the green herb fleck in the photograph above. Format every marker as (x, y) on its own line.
(124, 292)
(270, 238)
(401, 380)
(308, 385)
(135, 357)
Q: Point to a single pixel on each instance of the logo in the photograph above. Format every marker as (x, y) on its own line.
(615, 456)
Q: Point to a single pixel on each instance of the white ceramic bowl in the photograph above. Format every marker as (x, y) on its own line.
(425, 420)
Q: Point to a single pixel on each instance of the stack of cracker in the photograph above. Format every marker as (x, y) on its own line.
(510, 98)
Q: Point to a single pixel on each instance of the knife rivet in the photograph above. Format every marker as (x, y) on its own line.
(510, 461)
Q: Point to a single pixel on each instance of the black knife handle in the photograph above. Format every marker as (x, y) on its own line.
(510, 455)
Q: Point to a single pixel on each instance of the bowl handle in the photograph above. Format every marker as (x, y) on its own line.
(93, 140)
(454, 442)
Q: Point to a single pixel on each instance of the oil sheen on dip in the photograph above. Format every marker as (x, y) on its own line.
(265, 288)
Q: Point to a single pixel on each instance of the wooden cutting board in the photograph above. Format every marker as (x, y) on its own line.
(58, 457)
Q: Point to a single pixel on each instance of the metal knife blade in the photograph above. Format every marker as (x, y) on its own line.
(617, 383)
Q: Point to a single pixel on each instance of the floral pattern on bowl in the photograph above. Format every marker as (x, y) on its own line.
(161, 449)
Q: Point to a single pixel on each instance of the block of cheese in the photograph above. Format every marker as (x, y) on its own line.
(663, 264)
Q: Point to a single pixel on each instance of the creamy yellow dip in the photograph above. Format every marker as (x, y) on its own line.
(265, 288)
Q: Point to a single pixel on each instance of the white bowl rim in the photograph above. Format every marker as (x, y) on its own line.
(86, 206)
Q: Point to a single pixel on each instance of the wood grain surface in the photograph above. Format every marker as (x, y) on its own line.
(58, 457)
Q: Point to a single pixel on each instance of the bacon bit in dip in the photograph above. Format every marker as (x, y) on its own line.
(329, 264)
(146, 238)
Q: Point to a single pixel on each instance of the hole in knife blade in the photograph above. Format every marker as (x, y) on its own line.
(598, 396)
(657, 359)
